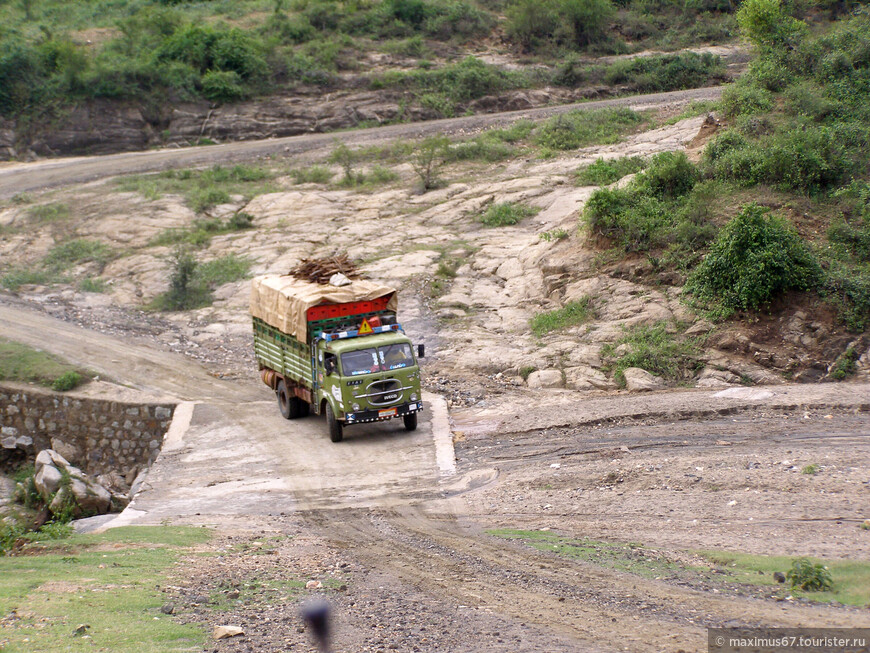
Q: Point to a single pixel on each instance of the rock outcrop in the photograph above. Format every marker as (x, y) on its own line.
(67, 490)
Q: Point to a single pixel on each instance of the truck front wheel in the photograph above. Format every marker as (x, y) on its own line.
(291, 406)
(336, 430)
(410, 421)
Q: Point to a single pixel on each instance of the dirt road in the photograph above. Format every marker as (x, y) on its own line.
(24, 177)
(403, 547)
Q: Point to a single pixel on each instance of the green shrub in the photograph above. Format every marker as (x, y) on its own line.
(568, 131)
(313, 175)
(506, 214)
(666, 72)
(765, 23)
(14, 278)
(48, 212)
(67, 381)
(93, 285)
(185, 292)
(607, 171)
(809, 576)
(225, 269)
(755, 258)
(668, 176)
(223, 86)
(79, 250)
(845, 365)
(571, 314)
(654, 349)
(743, 97)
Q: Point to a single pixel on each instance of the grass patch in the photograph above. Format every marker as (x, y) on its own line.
(571, 314)
(506, 214)
(312, 175)
(191, 283)
(630, 557)
(45, 213)
(655, 350)
(14, 278)
(79, 250)
(107, 581)
(93, 285)
(606, 171)
(225, 269)
(203, 189)
(850, 578)
(202, 230)
(569, 131)
(21, 363)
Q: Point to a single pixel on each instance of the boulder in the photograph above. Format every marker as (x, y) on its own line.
(587, 378)
(67, 451)
(47, 481)
(546, 379)
(638, 380)
(91, 497)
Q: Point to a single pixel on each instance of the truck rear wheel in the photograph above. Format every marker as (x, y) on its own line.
(410, 421)
(336, 430)
(291, 406)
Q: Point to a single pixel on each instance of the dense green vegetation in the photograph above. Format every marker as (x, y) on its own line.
(158, 52)
(799, 135)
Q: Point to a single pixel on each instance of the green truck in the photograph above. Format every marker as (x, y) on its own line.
(335, 350)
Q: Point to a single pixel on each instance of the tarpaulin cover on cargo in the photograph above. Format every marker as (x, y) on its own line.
(282, 301)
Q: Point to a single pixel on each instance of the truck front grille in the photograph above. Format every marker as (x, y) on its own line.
(384, 392)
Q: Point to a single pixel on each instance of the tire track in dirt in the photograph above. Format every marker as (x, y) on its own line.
(587, 604)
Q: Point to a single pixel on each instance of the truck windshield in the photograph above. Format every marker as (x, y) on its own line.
(380, 359)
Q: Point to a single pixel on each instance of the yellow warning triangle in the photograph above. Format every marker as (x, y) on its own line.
(365, 329)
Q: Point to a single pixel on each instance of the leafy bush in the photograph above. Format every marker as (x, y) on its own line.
(666, 72)
(506, 214)
(745, 98)
(571, 314)
(313, 175)
(642, 216)
(845, 365)
(79, 250)
(654, 349)
(185, 291)
(223, 86)
(225, 269)
(568, 131)
(607, 171)
(809, 576)
(755, 258)
(67, 381)
(767, 25)
(668, 176)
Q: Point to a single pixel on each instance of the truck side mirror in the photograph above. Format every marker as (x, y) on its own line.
(329, 366)
(421, 351)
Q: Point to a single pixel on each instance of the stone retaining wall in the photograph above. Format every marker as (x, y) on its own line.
(96, 435)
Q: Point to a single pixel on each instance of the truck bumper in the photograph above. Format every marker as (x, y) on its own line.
(383, 414)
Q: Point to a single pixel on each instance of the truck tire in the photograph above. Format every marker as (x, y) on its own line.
(289, 405)
(410, 421)
(336, 430)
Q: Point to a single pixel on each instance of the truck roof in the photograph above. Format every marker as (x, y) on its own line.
(362, 342)
(282, 301)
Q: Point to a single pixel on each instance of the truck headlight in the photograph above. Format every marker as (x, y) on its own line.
(413, 396)
(356, 407)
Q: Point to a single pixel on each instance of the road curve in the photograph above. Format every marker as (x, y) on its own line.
(53, 173)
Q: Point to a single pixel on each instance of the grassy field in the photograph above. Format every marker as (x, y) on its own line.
(97, 592)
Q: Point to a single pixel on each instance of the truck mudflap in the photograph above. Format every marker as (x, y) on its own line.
(383, 414)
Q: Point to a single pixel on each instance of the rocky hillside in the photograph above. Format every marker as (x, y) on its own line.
(92, 78)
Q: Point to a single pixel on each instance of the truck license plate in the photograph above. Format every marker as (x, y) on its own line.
(390, 412)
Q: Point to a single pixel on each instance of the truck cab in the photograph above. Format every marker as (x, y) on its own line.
(368, 379)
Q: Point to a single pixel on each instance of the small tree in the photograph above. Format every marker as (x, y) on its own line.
(766, 24)
(430, 155)
(345, 157)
